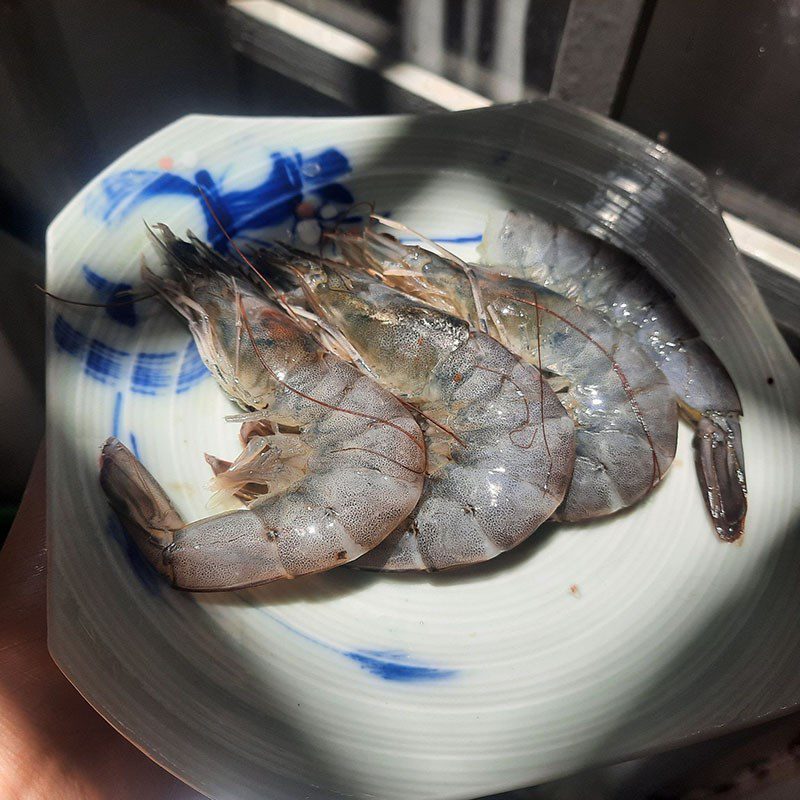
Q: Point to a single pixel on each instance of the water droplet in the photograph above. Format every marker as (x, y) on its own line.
(311, 169)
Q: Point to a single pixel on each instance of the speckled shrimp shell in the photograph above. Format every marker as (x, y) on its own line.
(339, 461)
(501, 447)
(624, 411)
(605, 279)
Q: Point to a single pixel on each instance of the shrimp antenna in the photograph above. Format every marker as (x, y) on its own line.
(399, 226)
(279, 298)
(95, 305)
(348, 212)
(477, 298)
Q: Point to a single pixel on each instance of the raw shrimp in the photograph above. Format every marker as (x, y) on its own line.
(500, 445)
(603, 278)
(624, 411)
(350, 469)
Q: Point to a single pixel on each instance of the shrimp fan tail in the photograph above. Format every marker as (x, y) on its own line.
(720, 468)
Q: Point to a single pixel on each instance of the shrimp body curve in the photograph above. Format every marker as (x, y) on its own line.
(344, 466)
(500, 445)
(624, 411)
(601, 277)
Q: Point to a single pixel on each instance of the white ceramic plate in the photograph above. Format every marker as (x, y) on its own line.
(589, 643)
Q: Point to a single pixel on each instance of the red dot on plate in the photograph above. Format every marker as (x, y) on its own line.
(166, 162)
(305, 210)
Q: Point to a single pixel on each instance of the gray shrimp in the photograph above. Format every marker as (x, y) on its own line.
(624, 410)
(345, 466)
(500, 445)
(601, 277)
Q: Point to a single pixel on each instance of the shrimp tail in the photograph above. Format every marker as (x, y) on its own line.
(719, 459)
(232, 550)
(140, 503)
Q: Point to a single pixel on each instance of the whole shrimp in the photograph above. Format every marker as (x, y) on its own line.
(500, 445)
(600, 277)
(624, 411)
(349, 470)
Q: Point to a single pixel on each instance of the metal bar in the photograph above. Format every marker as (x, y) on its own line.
(757, 243)
(359, 20)
(509, 51)
(422, 23)
(470, 41)
(594, 51)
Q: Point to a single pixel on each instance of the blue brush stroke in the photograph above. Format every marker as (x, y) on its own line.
(101, 361)
(473, 238)
(120, 194)
(111, 292)
(117, 415)
(69, 339)
(291, 180)
(105, 363)
(147, 576)
(394, 666)
(152, 372)
(116, 424)
(192, 370)
(390, 665)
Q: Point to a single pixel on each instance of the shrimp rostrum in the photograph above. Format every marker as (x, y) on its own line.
(624, 411)
(500, 445)
(332, 467)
